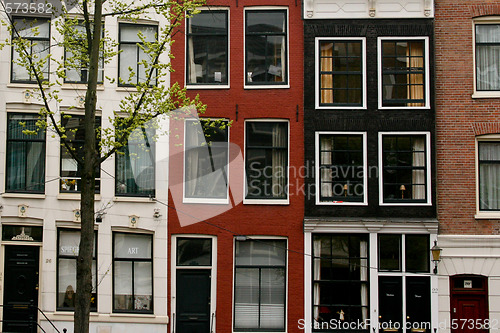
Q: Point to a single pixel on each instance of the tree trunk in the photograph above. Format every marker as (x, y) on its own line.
(90, 163)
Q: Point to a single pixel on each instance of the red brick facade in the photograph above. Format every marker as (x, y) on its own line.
(238, 104)
(459, 116)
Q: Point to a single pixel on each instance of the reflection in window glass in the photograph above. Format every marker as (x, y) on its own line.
(417, 253)
(487, 57)
(194, 251)
(389, 247)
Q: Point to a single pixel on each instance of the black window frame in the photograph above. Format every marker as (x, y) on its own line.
(347, 72)
(394, 168)
(267, 34)
(133, 260)
(248, 176)
(84, 70)
(352, 282)
(33, 39)
(93, 304)
(343, 170)
(406, 71)
(120, 43)
(26, 140)
(206, 35)
(68, 181)
(282, 268)
(150, 147)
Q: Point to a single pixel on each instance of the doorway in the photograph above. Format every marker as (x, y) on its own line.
(469, 303)
(193, 300)
(21, 272)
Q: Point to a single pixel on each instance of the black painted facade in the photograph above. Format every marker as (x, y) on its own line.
(371, 120)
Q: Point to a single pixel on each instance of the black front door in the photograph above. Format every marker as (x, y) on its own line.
(193, 301)
(20, 289)
(390, 303)
(418, 303)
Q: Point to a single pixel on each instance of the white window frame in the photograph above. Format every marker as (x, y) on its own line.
(269, 237)
(483, 214)
(317, 67)
(318, 175)
(428, 166)
(267, 86)
(173, 276)
(427, 74)
(265, 201)
(190, 86)
(483, 93)
(204, 200)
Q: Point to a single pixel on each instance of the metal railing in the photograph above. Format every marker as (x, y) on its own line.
(32, 323)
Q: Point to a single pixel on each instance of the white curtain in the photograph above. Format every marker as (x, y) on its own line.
(487, 57)
(317, 276)
(326, 143)
(363, 250)
(418, 175)
(279, 162)
(489, 176)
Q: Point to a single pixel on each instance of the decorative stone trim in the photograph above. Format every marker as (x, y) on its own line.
(484, 10)
(486, 128)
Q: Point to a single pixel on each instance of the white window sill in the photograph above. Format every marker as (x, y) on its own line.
(263, 86)
(23, 195)
(426, 107)
(205, 87)
(340, 203)
(324, 107)
(80, 86)
(487, 215)
(25, 85)
(486, 94)
(205, 201)
(134, 199)
(406, 204)
(266, 201)
(75, 196)
(126, 89)
(133, 315)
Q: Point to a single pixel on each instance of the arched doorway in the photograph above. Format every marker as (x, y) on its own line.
(469, 304)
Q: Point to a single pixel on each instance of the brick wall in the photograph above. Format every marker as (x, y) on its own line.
(459, 117)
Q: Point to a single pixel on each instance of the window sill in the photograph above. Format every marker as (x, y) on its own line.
(426, 107)
(205, 201)
(126, 89)
(134, 199)
(263, 86)
(266, 202)
(487, 215)
(133, 315)
(74, 196)
(25, 85)
(207, 87)
(23, 195)
(486, 94)
(80, 86)
(405, 204)
(341, 203)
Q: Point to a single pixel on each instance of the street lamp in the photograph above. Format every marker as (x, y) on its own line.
(436, 256)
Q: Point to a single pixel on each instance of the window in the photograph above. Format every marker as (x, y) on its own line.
(489, 176)
(132, 273)
(194, 251)
(259, 287)
(67, 254)
(36, 33)
(341, 168)
(266, 47)
(487, 39)
(76, 66)
(405, 168)
(25, 154)
(70, 170)
(340, 273)
(404, 298)
(341, 76)
(132, 57)
(207, 48)
(405, 78)
(206, 160)
(135, 164)
(266, 160)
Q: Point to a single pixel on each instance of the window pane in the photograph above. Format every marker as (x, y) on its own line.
(266, 160)
(194, 251)
(265, 47)
(489, 175)
(133, 246)
(122, 275)
(261, 253)
(246, 298)
(143, 286)
(272, 310)
(135, 164)
(207, 48)
(417, 253)
(67, 283)
(206, 159)
(389, 247)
